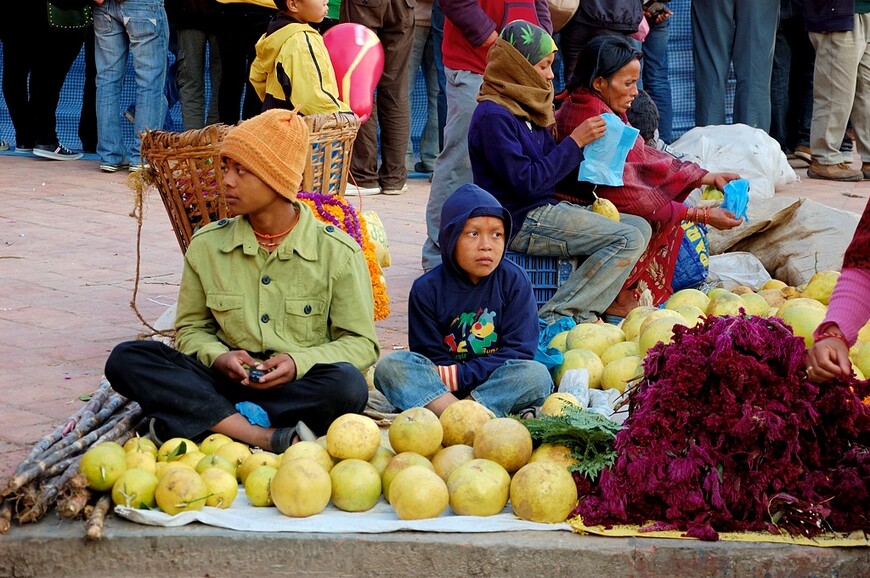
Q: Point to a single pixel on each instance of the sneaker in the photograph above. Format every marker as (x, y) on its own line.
(4, 146)
(114, 167)
(838, 172)
(865, 168)
(56, 152)
(422, 168)
(135, 168)
(24, 150)
(367, 191)
(401, 191)
(803, 153)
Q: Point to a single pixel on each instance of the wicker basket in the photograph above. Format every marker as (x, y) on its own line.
(184, 167)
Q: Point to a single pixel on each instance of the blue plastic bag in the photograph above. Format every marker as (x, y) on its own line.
(604, 159)
(736, 197)
(693, 260)
(256, 415)
(550, 356)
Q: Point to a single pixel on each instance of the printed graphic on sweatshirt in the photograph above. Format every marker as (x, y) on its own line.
(472, 335)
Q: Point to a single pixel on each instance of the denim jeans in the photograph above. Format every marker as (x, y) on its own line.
(138, 27)
(611, 249)
(655, 75)
(408, 379)
(422, 55)
(452, 167)
(191, 76)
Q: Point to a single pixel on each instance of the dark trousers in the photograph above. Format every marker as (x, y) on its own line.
(189, 398)
(36, 60)
(237, 28)
(791, 84)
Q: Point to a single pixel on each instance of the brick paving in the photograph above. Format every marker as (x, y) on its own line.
(67, 269)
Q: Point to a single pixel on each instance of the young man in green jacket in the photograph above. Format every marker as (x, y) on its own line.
(272, 289)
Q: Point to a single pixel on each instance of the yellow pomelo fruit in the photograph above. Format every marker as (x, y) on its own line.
(864, 333)
(213, 461)
(554, 453)
(353, 436)
(543, 492)
(774, 297)
(774, 284)
(555, 402)
(858, 374)
(581, 358)
(164, 468)
(771, 312)
(725, 305)
(461, 420)
(181, 489)
(135, 489)
(624, 349)
(235, 453)
(416, 430)
(103, 464)
(140, 444)
(660, 331)
(417, 493)
(619, 372)
(505, 441)
(660, 314)
(631, 324)
(356, 485)
(803, 321)
(614, 332)
(861, 359)
(821, 285)
(717, 292)
(301, 488)
(255, 460)
(479, 488)
(222, 487)
(450, 458)
(213, 442)
(742, 290)
(592, 336)
(308, 449)
(173, 448)
(688, 297)
(398, 463)
(711, 193)
(801, 302)
(755, 304)
(605, 208)
(141, 460)
(381, 458)
(691, 314)
(191, 458)
(258, 485)
(560, 341)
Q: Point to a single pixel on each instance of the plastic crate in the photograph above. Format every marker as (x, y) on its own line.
(547, 273)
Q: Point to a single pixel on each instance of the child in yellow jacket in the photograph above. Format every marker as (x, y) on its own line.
(292, 68)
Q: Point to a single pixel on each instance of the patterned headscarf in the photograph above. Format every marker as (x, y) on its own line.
(530, 40)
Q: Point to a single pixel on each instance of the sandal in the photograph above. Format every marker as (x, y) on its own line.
(285, 437)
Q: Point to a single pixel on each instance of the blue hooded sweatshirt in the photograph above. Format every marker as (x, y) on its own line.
(477, 327)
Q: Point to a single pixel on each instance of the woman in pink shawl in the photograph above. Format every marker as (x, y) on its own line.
(655, 183)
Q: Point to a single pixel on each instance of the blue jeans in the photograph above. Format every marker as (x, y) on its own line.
(408, 379)
(422, 56)
(138, 27)
(611, 249)
(655, 75)
(452, 167)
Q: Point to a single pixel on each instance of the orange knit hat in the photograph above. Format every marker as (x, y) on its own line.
(272, 145)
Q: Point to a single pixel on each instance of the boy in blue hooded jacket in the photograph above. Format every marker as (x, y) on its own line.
(472, 321)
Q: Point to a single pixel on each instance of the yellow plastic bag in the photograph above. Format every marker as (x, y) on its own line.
(378, 235)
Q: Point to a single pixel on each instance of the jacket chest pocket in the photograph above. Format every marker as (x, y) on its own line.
(228, 311)
(304, 321)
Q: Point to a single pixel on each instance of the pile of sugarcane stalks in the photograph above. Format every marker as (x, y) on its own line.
(48, 477)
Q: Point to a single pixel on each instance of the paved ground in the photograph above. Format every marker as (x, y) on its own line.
(67, 268)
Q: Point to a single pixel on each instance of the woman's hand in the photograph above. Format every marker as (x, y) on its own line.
(719, 180)
(589, 130)
(722, 219)
(828, 358)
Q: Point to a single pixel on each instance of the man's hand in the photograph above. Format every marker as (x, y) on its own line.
(279, 369)
(232, 364)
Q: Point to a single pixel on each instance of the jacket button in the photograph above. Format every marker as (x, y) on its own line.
(330, 228)
(266, 279)
(307, 309)
(264, 318)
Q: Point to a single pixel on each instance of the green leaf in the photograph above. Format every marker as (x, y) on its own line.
(85, 397)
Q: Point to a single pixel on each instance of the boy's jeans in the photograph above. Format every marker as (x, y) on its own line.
(140, 27)
(409, 379)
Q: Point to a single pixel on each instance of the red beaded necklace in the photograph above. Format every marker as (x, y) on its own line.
(267, 240)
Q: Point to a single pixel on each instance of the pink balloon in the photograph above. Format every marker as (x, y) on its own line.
(358, 59)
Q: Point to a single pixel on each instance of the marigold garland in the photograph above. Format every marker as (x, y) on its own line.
(333, 210)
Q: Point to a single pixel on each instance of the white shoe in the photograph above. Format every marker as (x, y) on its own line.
(401, 191)
(368, 191)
